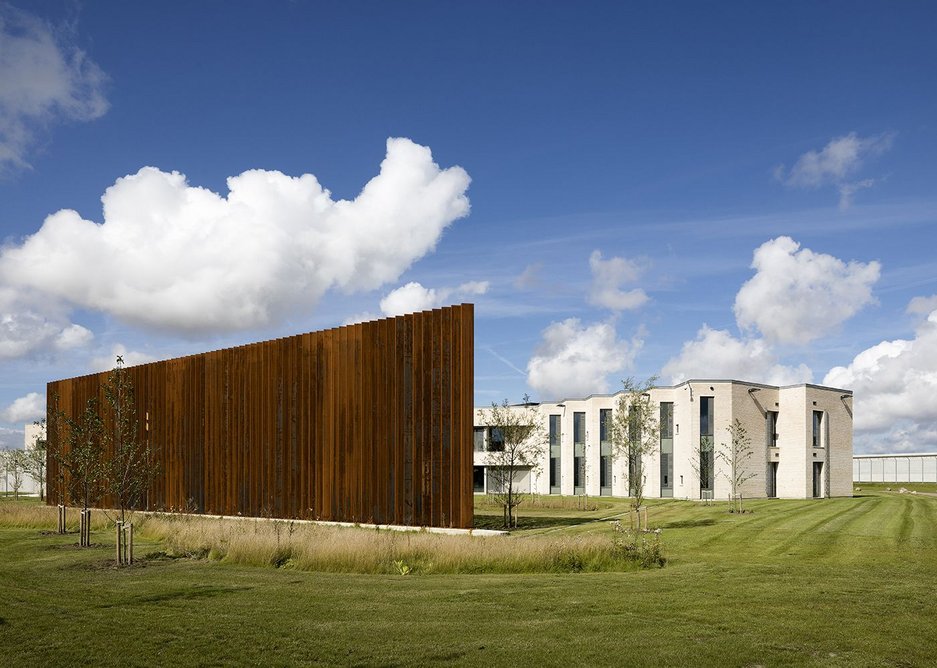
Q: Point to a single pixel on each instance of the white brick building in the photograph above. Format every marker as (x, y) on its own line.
(801, 437)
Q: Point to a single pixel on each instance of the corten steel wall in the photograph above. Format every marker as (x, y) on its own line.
(364, 423)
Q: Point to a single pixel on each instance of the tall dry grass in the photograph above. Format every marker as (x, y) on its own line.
(357, 550)
(31, 514)
(546, 502)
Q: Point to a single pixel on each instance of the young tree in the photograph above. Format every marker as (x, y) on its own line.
(14, 463)
(523, 442)
(83, 461)
(736, 455)
(131, 467)
(36, 458)
(635, 429)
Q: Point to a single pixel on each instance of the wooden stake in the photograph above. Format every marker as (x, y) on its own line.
(119, 526)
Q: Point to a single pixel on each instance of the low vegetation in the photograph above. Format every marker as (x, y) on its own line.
(830, 582)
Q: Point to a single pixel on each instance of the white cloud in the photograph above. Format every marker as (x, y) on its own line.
(73, 336)
(574, 360)
(715, 353)
(894, 383)
(45, 80)
(25, 409)
(178, 257)
(607, 278)
(30, 323)
(107, 362)
(11, 439)
(797, 295)
(922, 305)
(413, 297)
(902, 436)
(833, 164)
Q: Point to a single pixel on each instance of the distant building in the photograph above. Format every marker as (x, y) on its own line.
(801, 436)
(899, 467)
(29, 486)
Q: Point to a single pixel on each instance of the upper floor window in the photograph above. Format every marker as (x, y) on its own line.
(666, 419)
(495, 440)
(706, 416)
(818, 429)
(605, 424)
(579, 427)
(479, 436)
(771, 429)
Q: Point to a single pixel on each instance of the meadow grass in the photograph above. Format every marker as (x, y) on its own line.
(311, 547)
(832, 582)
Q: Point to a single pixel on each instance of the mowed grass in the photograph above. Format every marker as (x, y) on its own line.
(840, 582)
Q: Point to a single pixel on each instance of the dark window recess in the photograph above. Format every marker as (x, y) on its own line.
(771, 429)
(818, 429)
(479, 438)
(555, 453)
(478, 478)
(495, 440)
(706, 454)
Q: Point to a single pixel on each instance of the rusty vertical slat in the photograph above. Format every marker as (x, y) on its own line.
(368, 422)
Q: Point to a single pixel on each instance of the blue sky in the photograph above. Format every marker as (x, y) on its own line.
(676, 189)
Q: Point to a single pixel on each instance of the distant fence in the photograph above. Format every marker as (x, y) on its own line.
(366, 423)
(895, 468)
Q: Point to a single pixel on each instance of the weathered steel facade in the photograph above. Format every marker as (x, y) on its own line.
(364, 423)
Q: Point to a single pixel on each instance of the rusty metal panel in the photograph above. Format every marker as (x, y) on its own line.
(364, 423)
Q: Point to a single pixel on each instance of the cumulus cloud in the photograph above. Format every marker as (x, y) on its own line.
(25, 409)
(894, 384)
(31, 324)
(922, 305)
(46, 80)
(173, 256)
(797, 295)
(11, 439)
(574, 360)
(414, 297)
(607, 279)
(107, 362)
(715, 353)
(835, 163)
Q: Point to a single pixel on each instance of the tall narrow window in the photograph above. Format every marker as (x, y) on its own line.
(555, 454)
(772, 479)
(771, 429)
(495, 440)
(605, 451)
(818, 429)
(478, 478)
(666, 449)
(579, 453)
(706, 454)
(817, 479)
(479, 435)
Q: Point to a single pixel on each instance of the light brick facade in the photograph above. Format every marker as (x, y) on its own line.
(788, 465)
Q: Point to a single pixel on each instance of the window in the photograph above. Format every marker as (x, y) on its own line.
(706, 454)
(579, 453)
(666, 449)
(818, 429)
(817, 480)
(555, 454)
(479, 436)
(771, 429)
(605, 451)
(495, 440)
(478, 478)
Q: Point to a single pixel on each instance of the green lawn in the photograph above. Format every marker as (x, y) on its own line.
(843, 582)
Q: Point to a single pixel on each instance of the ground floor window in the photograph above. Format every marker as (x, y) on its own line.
(478, 478)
